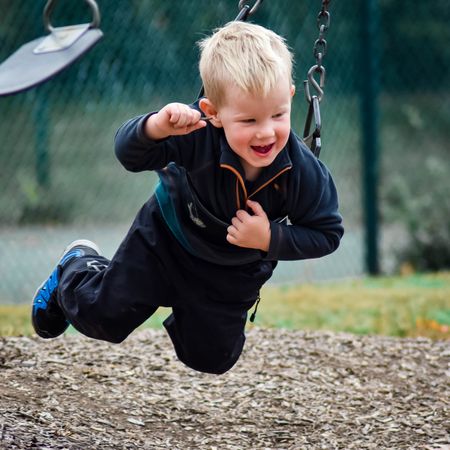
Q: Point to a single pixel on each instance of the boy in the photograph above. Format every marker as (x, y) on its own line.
(212, 233)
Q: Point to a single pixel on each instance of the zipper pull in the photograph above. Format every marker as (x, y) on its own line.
(253, 316)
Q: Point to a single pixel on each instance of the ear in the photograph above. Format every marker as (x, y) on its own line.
(209, 110)
(292, 90)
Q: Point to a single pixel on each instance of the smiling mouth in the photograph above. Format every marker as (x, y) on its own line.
(262, 149)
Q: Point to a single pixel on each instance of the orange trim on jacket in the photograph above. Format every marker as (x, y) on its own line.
(240, 180)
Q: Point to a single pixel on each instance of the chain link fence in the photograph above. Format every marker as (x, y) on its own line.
(59, 178)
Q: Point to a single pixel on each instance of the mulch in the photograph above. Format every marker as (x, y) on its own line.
(289, 390)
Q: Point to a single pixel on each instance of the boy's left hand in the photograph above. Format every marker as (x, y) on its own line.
(250, 231)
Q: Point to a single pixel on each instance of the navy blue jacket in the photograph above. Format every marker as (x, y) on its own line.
(202, 185)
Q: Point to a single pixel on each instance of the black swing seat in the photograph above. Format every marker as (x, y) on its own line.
(42, 58)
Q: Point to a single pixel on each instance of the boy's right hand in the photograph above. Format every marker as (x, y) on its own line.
(172, 120)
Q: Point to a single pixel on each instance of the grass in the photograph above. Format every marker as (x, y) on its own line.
(406, 306)
(415, 305)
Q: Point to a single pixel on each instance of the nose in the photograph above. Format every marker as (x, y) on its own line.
(265, 131)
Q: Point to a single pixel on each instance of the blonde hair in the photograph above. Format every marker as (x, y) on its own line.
(247, 55)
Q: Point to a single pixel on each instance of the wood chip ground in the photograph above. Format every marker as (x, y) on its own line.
(290, 390)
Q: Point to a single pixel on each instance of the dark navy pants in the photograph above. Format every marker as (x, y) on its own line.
(108, 299)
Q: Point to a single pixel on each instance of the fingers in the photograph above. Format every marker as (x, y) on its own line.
(250, 231)
(174, 119)
(232, 239)
(239, 223)
(256, 208)
(242, 215)
(182, 116)
(236, 224)
(232, 231)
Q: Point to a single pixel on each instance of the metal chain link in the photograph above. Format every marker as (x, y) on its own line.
(319, 51)
(245, 10)
(313, 140)
(323, 23)
(253, 9)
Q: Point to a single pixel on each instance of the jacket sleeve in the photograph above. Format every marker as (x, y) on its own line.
(137, 152)
(315, 227)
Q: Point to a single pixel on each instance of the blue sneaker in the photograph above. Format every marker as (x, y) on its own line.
(47, 317)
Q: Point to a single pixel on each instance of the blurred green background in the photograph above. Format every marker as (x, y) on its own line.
(59, 179)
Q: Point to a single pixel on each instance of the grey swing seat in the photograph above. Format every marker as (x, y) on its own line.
(41, 59)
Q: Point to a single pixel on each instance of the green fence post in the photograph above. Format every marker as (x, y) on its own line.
(41, 119)
(369, 116)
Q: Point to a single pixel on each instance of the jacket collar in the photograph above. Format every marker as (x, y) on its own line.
(229, 158)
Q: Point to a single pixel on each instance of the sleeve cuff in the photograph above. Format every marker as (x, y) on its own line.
(141, 132)
(272, 254)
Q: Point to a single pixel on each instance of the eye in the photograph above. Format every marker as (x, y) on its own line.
(247, 120)
(276, 116)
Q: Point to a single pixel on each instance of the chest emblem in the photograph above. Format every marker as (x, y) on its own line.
(194, 217)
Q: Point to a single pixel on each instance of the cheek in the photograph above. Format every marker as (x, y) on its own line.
(284, 131)
(238, 138)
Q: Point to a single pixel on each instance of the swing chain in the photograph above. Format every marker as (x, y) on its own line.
(245, 10)
(319, 51)
(313, 140)
(323, 23)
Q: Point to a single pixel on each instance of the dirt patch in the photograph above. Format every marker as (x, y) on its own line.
(290, 390)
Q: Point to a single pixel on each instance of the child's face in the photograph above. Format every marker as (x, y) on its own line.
(256, 128)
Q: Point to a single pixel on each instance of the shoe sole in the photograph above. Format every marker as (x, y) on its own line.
(82, 242)
(35, 327)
